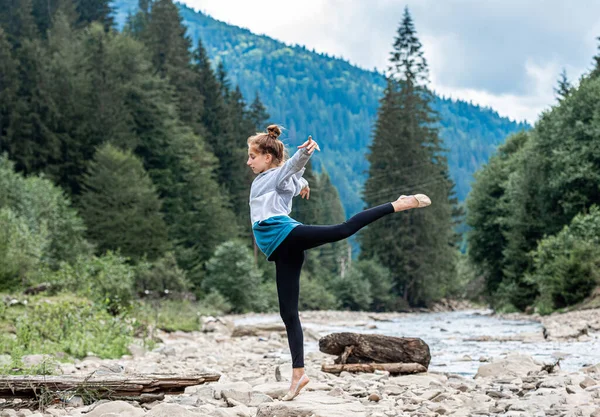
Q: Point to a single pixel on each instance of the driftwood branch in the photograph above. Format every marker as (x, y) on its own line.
(392, 368)
(101, 386)
(375, 348)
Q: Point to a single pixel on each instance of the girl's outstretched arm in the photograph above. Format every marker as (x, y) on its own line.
(296, 162)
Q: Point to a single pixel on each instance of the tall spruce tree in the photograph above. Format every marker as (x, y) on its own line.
(165, 36)
(258, 114)
(16, 18)
(407, 158)
(596, 70)
(9, 84)
(120, 206)
(563, 87)
(214, 112)
(95, 11)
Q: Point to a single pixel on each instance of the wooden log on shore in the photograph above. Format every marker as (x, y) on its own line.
(257, 329)
(114, 386)
(392, 368)
(375, 348)
(265, 329)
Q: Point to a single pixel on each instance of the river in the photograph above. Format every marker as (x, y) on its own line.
(446, 335)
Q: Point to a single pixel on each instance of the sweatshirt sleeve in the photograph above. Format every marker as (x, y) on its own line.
(298, 183)
(292, 166)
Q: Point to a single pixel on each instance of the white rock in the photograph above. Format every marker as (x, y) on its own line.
(513, 365)
(172, 410)
(120, 408)
(315, 405)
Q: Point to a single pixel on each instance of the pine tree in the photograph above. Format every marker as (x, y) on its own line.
(596, 70)
(214, 113)
(224, 84)
(165, 36)
(32, 143)
(95, 11)
(120, 206)
(9, 85)
(258, 114)
(331, 255)
(564, 86)
(17, 21)
(234, 172)
(407, 158)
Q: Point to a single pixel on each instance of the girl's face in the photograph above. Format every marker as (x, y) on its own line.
(258, 162)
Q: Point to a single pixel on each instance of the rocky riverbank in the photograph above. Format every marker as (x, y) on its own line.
(255, 372)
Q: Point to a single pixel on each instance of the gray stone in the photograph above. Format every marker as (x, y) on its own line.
(275, 389)
(238, 386)
(336, 392)
(315, 405)
(172, 410)
(374, 397)
(136, 350)
(513, 365)
(587, 382)
(252, 399)
(56, 412)
(120, 408)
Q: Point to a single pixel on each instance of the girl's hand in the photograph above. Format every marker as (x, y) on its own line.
(310, 145)
(305, 192)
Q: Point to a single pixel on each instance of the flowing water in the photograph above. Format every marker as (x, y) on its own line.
(446, 335)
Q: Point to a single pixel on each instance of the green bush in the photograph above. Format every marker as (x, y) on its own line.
(381, 284)
(214, 303)
(21, 250)
(46, 211)
(68, 324)
(566, 266)
(232, 272)
(314, 295)
(161, 278)
(168, 315)
(353, 291)
(107, 280)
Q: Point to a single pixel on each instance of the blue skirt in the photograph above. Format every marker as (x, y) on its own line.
(269, 233)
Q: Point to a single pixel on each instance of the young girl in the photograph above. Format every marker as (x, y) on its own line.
(284, 240)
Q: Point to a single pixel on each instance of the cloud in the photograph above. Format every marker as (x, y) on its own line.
(507, 54)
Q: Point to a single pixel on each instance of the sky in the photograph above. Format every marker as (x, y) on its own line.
(505, 54)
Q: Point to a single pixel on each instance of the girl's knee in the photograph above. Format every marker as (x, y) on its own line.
(289, 317)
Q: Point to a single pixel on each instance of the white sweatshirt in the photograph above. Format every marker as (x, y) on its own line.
(272, 190)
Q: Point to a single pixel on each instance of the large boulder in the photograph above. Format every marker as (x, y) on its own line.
(514, 365)
(313, 404)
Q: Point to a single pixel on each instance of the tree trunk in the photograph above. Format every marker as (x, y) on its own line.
(100, 386)
(392, 368)
(367, 348)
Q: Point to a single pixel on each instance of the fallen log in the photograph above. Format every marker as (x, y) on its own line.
(392, 368)
(265, 329)
(113, 386)
(375, 348)
(257, 329)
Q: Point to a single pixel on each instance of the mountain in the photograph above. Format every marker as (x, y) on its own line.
(335, 102)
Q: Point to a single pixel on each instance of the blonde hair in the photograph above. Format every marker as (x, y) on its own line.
(268, 143)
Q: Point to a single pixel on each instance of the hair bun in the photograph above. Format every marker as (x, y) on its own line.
(274, 131)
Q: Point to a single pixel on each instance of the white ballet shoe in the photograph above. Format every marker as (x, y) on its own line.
(292, 394)
(423, 200)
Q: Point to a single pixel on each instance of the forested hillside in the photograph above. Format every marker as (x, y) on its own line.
(336, 102)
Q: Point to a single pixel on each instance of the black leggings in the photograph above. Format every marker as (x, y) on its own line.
(289, 257)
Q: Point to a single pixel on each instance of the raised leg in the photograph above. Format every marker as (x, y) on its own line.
(305, 237)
